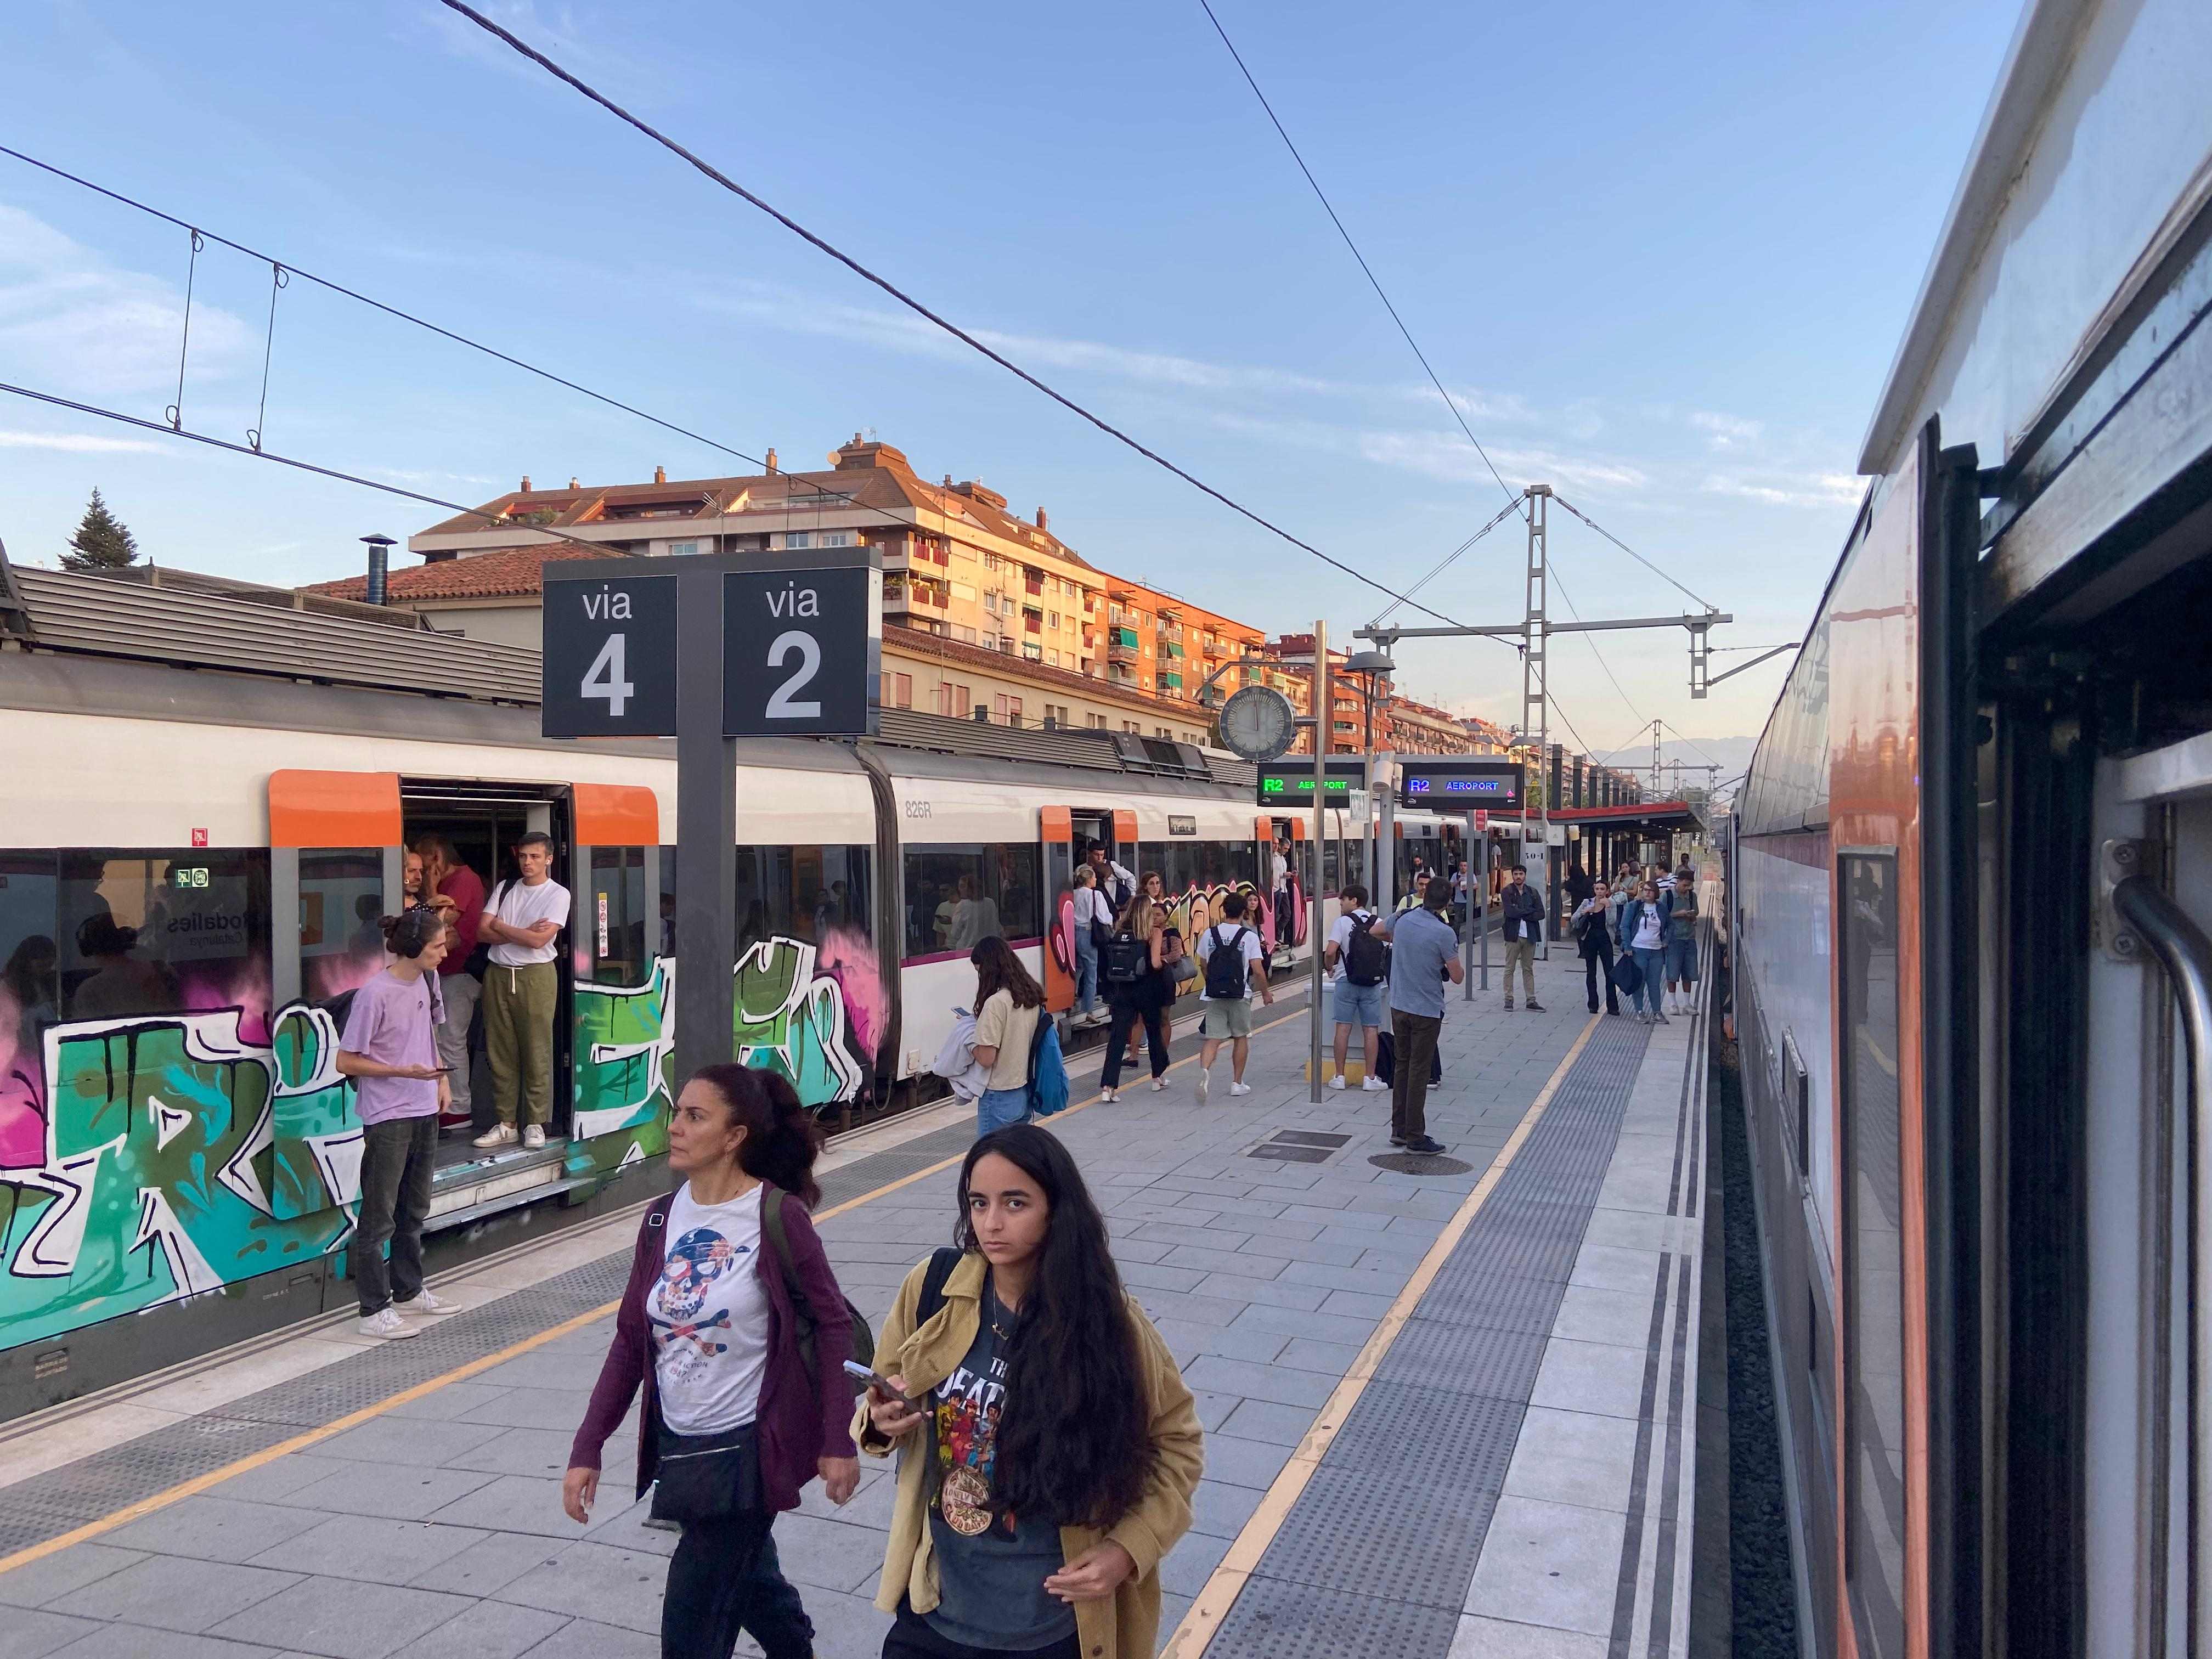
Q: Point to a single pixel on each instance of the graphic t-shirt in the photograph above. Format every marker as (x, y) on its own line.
(1226, 931)
(518, 905)
(990, 1568)
(708, 1316)
(394, 1021)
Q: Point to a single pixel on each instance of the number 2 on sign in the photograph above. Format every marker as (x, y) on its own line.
(781, 706)
(605, 678)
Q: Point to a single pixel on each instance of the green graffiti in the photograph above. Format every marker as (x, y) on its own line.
(160, 1160)
(789, 1021)
(623, 1041)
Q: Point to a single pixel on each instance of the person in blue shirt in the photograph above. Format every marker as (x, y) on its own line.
(1424, 954)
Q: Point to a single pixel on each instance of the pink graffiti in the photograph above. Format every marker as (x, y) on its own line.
(849, 957)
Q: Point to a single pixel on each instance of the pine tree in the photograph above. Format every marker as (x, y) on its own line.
(101, 542)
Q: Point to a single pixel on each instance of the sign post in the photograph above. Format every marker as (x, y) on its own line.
(707, 650)
(1324, 724)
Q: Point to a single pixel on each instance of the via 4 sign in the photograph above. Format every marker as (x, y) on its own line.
(799, 648)
(609, 656)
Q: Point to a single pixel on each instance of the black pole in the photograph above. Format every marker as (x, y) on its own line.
(706, 829)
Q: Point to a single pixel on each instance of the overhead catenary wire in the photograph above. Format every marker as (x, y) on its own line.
(1450, 404)
(1563, 501)
(1441, 565)
(903, 298)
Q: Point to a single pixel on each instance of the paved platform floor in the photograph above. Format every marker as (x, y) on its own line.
(433, 1527)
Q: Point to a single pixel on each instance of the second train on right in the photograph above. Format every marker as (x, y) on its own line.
(1969, 887)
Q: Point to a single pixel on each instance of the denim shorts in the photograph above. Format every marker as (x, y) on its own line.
(1358, 1005)
(1682, 961)
(995, 1109)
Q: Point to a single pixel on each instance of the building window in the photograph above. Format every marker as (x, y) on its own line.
(1096, 722)
(797, 538)
(902, 687)
(958, 896)
(965, 634)
(680, 548)
(837, 538)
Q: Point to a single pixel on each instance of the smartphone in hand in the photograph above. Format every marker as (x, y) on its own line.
(881, 1384)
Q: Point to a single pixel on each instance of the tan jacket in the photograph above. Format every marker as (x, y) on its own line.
(1125, 1626)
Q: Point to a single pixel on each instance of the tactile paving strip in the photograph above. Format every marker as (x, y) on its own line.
(47, 1506)
(1403, 1497)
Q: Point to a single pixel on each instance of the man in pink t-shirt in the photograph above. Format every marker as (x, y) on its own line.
(457, 893)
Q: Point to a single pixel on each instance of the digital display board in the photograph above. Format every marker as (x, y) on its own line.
(1290, 782)
(1460, 783)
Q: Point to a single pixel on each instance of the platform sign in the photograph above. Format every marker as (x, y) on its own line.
(608, 666)
(1289, 782)
(800, 653)
(1481, 819)
(1457, 783)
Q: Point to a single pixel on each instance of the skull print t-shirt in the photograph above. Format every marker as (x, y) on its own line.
(708, 1316)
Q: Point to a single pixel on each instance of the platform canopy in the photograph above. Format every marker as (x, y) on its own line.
(1650, 815)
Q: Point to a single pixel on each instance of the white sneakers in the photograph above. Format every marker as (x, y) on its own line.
(533, 1137)
(1374, 1086)
(424, 1302)
(1205, 1082)
(1338, 1082)
(387, 1324)
(1240, 1088)
(1109, 1094)
(1159, 1086)
(500, 1134)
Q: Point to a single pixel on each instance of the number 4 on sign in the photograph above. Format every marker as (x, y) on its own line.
(605, 678)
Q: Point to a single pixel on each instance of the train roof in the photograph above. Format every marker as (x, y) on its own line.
(206, 651)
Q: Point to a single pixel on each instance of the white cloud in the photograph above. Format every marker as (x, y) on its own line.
(1813, 490)
(70, 321)
(78, 443)
(1726, 431)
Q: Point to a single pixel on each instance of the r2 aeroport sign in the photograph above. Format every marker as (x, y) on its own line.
(798, 650)
(1457, 783)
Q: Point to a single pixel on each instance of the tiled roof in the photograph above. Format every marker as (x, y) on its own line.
(496, 574)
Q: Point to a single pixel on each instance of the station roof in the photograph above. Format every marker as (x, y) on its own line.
(1640, 815)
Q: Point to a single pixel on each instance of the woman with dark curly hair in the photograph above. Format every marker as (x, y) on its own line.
(739, 1416)
(1047, 1446)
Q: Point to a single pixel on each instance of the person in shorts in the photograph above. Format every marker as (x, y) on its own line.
(1681, 908)
(1356, 1007)
(1225, 1014)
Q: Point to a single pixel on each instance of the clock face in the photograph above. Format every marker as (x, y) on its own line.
(1258, 723)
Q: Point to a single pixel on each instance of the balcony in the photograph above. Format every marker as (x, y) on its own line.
(1118, 652)
(911, 598)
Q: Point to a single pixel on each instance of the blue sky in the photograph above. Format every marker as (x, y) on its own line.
(1662, 260)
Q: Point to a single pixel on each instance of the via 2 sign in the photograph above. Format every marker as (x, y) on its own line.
(796, 656)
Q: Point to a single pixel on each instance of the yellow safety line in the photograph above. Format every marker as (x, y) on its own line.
(197, 1484)
(1212, 1606)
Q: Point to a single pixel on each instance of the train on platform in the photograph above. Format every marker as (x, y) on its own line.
(210, 802)
(1970, 882)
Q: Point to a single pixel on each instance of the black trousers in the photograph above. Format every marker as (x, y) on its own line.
(397, 1159)
(1414, 1046)
(911, 1638)
(1597, 964)
(1125, 1015)
(725, 1578)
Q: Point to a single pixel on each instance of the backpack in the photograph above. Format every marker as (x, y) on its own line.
(942, 1261)
(1047, 1080)
(1366, 958)
(1127, 959)
(1225, 978)
(863, 1339)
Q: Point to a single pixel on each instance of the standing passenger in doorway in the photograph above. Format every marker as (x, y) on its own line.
(1094, 919)
(457, 893)
(1522, 910)
(522, 991)
(1424, 954)
(390, 1049)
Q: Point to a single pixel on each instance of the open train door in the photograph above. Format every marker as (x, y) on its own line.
(1056, 831)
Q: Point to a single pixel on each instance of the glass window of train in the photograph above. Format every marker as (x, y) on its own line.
(667, 933)
(156, 931)
(960, 894)
(341, 895)
(1874, 1328)
(614, 927)
(30, 962)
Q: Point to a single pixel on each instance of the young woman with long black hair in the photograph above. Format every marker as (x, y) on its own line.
(1009, 1003)
(736, 1420)
(1049, 1464)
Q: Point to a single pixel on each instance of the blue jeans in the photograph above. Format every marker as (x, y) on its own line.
(1086, 970)
(1682, 962)
(997, 1109)
(1652, 985)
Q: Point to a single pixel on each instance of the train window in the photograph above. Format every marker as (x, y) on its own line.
(30, 964)
(341, 897)
(958, 895)
(614, 929)
(150, 933)
(800, 892)
(1873, 1329)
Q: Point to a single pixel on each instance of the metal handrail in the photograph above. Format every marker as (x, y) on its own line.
(2186, 953)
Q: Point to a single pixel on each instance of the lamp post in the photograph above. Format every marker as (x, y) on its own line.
(1370, 666)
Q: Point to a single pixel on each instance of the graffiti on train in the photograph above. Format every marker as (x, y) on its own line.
(153, 1158)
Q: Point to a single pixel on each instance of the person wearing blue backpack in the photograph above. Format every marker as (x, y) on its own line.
(1009, 1004)
(1234, 965)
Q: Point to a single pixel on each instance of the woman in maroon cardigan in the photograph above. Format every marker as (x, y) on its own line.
(736, 1420)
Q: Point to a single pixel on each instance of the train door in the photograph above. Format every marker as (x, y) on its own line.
(1286, 864)
(1056, 833)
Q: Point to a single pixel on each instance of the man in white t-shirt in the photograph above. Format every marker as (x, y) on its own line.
(1226, 1013)
(1356, 1006)
(521, 927)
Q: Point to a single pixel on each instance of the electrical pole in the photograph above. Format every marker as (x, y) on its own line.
(1655, 762)
(1324, 730)
(1535, 703)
